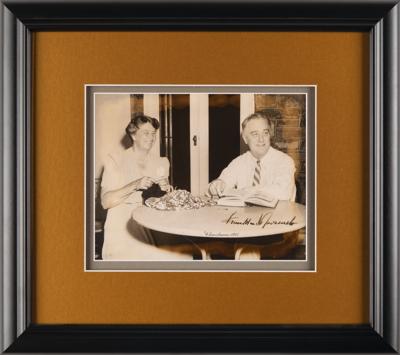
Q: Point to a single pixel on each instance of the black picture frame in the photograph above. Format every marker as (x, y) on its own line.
(20, 18)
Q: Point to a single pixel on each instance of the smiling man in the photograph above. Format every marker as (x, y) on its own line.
(262, 167)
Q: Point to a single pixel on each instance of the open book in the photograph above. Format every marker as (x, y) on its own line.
(244, 197)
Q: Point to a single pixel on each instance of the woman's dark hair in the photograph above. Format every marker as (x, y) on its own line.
(137, 120)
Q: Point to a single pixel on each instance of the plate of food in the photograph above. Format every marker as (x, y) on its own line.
(179, 200)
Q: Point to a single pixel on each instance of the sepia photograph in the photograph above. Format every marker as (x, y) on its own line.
(200, 178)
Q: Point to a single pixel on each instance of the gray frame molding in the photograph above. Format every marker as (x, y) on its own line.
(20, 18)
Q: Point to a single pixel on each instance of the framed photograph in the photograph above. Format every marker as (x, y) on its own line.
(188, 177)
(254, 144)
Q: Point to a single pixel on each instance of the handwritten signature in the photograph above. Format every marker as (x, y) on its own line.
(219, 234)
(265, 219)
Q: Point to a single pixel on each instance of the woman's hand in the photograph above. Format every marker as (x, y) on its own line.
(144, 183)
(164, 184)
(114, 198)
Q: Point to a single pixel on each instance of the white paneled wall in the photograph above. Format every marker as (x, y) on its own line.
(112, 115)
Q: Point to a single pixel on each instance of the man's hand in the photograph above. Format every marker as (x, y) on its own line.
(216, 188)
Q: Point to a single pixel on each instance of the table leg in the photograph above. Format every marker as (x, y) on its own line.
(253, 254)
(238, 251)
(205, 255)
(204, 251)
(208, 249)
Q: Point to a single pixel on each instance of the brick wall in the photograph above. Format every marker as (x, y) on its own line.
(289, 130)
(136, 103)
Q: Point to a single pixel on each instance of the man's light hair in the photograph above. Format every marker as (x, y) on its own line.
(267, 116)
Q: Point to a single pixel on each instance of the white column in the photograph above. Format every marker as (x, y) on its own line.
(151, 108)
(247, 106)
(198, 152)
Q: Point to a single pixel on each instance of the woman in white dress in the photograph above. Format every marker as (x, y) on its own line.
(125, 177)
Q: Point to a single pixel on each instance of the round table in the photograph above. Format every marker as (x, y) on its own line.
(221, 222)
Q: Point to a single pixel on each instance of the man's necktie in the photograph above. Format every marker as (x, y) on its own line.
(257, 174)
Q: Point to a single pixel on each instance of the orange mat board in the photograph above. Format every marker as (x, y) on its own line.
(336, 62)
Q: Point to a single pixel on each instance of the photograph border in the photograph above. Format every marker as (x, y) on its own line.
(20, 18)
(273, 265)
